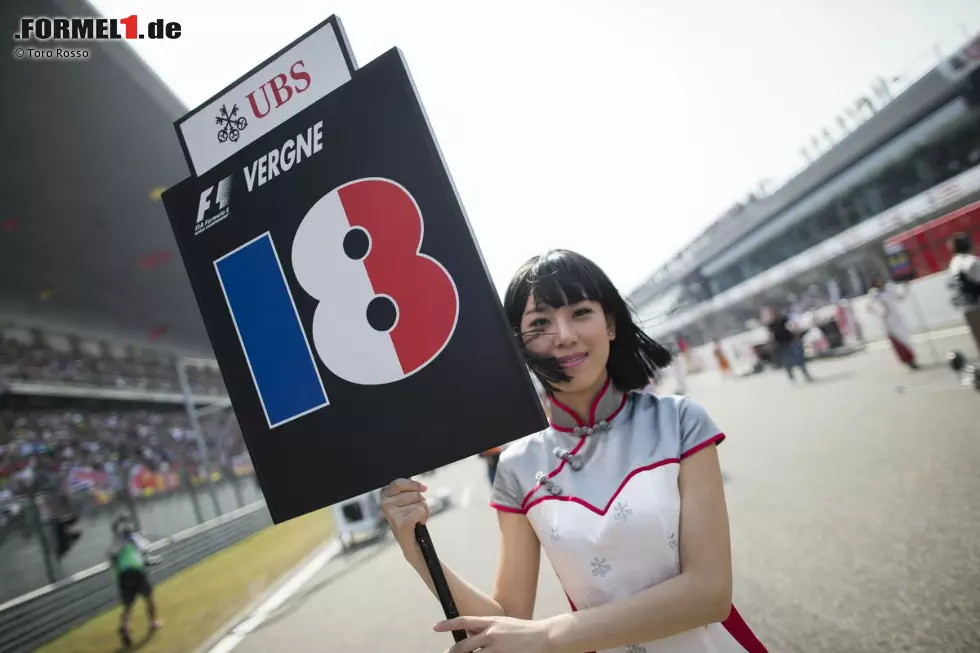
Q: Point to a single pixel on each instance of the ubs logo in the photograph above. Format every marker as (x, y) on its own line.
(231, 124)
(281, 89)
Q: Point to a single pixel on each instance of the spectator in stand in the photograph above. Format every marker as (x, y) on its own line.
(99, 451)
(147, 369)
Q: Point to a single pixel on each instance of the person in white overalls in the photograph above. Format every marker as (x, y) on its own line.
(886, 304)
(623, 491)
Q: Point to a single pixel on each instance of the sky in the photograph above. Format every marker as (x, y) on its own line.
(619, 129)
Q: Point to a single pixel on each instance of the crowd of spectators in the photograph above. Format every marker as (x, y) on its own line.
(96, 446)
(141, 369)
(77, 450)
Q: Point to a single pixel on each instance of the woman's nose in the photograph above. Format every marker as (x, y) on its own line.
(564, 331)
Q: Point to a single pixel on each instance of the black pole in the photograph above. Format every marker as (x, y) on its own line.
(36, 520)
(438, 577)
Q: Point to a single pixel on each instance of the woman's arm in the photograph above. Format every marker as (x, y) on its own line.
(701, 594)
(517, 574)
(516, 585)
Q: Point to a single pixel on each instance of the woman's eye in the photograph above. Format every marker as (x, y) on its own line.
(539, 323)
(582, 311)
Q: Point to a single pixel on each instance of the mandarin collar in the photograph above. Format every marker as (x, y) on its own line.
(606, 405)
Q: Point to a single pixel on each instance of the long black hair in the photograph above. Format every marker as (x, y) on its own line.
(561, 277)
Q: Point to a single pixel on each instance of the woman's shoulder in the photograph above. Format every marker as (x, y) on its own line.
(517, 470)
(681, 423)
(647, 403)
(530, 447)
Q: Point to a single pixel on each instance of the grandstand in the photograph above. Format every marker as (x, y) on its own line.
(89, 428)
(99, 328)
(818, 237)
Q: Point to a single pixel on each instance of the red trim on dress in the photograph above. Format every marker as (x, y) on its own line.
(716, 439)
(578, 446)
(603, 511)
(527, 506)
(734, 624)
(553, 472)
(741, 633)
(578, 420)
(506, 508)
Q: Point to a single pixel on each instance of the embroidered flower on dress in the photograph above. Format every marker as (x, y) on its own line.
(672, 541)
(554, 534)
(621, 510)
(600, 567)
(636, 648)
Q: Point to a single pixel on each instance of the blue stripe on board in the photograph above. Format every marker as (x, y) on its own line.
(271, 334)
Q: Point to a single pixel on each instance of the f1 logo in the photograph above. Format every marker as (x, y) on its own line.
(221, 192)
(385, 311)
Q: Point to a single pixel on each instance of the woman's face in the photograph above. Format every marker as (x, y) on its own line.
(578, 335)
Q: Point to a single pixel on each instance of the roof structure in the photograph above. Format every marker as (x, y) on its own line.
(923, 97)
(85, 243)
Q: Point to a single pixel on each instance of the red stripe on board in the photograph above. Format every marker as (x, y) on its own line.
(425, 295)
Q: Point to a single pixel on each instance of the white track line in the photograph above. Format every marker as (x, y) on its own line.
(254, 620)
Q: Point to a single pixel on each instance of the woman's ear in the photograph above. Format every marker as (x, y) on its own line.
(611, 327)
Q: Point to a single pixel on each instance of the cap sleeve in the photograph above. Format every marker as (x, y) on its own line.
(698, 430)
(506, 494)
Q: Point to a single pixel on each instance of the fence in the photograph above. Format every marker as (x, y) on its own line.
(29, 528)
(42, 615)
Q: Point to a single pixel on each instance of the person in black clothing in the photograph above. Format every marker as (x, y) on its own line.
(788, 342)
(964, 273)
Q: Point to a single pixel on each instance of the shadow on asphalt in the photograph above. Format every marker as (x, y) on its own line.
(832, 378)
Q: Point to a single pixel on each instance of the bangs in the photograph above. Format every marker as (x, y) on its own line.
(560, 279)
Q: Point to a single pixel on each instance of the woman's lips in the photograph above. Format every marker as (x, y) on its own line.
(572, 360)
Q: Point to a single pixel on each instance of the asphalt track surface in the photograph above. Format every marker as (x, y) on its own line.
(854, 505)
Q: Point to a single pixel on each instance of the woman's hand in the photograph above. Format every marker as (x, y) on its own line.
(499, 635)
(403, 506)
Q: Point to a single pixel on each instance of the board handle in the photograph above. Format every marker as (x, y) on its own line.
(438, 577)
